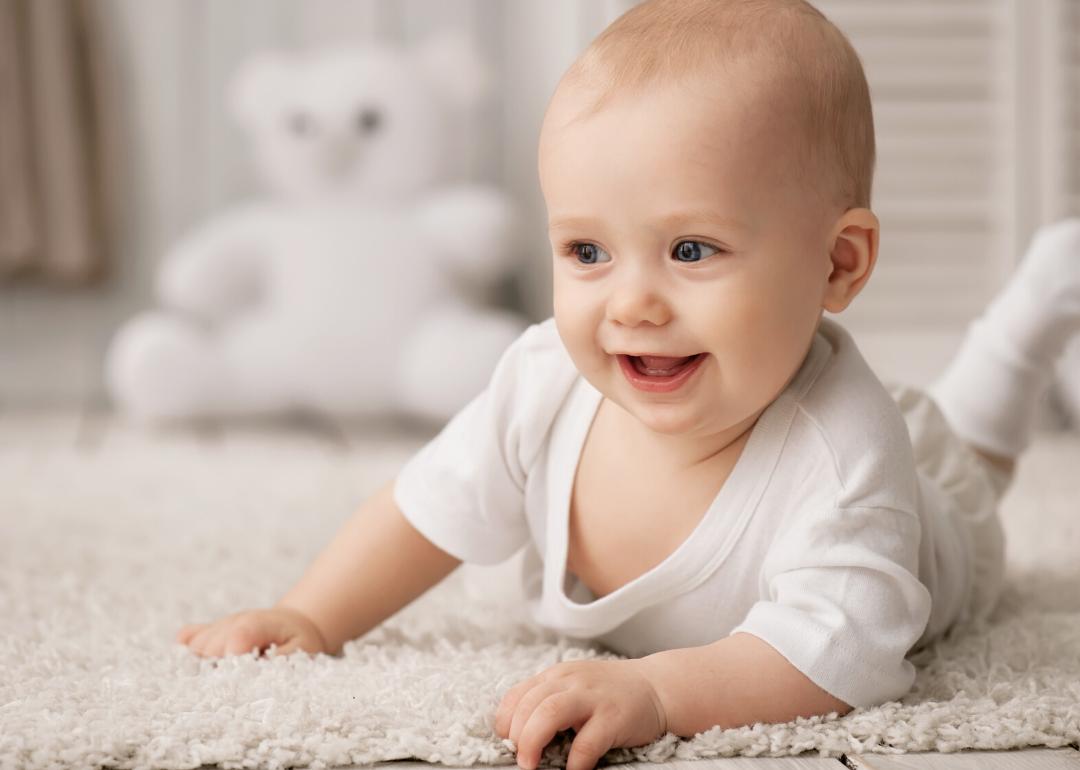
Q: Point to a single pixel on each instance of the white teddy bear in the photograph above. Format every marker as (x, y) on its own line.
(347, 290)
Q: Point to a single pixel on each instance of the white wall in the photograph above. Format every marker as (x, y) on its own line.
(970, 107)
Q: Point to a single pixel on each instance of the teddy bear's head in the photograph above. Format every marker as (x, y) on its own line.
(365, 119)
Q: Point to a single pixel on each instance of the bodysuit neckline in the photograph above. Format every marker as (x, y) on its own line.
(704, 549)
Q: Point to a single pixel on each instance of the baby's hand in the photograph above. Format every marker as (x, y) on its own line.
(607, 703)
(245, 631)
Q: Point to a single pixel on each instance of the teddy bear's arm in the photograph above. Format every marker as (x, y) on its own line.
(216, 268)
(472, 229)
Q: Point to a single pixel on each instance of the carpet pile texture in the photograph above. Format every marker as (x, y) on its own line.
(103, 557)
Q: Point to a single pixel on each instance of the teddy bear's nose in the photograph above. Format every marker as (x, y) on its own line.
(339, 156)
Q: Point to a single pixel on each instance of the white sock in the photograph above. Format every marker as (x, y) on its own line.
(991, 391)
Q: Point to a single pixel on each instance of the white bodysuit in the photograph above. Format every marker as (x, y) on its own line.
(825, 541)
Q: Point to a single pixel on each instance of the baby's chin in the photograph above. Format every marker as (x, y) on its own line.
(673, 417)
(711, 417)
(665, 421)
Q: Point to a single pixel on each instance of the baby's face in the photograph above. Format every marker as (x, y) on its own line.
(690, 264)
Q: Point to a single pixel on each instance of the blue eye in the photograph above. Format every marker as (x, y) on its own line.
(590, 254)
(693, 251)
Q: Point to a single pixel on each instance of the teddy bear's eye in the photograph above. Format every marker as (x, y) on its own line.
(368, 121)
(300, 124)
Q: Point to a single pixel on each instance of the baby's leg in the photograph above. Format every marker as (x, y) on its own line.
(991, 391)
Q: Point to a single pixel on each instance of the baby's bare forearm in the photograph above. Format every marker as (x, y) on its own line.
(375, 565)
(737, 681)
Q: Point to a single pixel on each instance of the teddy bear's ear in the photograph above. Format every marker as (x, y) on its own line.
(253, 85)
(454, 68)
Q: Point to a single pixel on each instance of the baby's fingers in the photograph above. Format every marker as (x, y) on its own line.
(504, 717)
(235, 635)
(209, 642)
(188, 632)
(592, 741)
(302, 640)
(245, 635)
(253, 630)
(561, 711)
(532, 692)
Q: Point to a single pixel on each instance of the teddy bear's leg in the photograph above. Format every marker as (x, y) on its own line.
(261, 360)
(161, 367)
(449, 358)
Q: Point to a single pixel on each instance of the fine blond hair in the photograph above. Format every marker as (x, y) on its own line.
(785, 49)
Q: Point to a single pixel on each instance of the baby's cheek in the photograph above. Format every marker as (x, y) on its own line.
(569, 322)
(768, 345)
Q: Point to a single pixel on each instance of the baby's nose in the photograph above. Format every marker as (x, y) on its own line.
(638, 298)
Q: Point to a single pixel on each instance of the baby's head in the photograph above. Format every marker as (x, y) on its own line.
(707, 168)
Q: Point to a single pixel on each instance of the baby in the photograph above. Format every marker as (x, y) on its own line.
(706, 475)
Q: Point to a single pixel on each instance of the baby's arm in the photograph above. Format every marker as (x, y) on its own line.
(736, 681)
(375, 565)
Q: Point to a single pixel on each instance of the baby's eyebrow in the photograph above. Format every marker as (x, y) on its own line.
(665, 222)
(703, 216)
(571, 223)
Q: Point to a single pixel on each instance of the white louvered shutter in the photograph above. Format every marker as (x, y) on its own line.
(939, 109)
(1066, 169)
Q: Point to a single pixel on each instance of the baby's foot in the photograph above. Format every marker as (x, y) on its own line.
(1038, 311)
(991, 392)
(1051, 270)
(1051, 267)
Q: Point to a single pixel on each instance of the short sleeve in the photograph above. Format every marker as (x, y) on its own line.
(845, 603)
(465, 490)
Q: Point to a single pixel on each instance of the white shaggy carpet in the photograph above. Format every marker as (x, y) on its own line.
(104, 556)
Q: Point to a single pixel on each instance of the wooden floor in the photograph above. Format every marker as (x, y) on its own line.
(96, 431)
(1028, 759)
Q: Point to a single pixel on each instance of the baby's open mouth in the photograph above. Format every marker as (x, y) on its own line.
(660, 374)
(661, 366)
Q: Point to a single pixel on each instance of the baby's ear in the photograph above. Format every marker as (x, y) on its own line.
(253, 86)
(451, 64)
(852, 257)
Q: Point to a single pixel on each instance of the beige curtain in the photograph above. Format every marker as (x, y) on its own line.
(55, 132)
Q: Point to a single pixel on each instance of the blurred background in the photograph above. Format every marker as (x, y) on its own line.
(976, 104)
